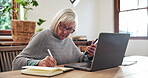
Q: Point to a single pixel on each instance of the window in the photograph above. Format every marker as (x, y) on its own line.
(5, 15)
(5, 20)
(131, 16)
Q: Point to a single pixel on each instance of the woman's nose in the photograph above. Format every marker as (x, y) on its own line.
(65, 31)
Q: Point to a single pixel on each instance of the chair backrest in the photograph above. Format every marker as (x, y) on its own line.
(6, 58)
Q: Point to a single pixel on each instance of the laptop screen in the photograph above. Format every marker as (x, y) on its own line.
(110, 50)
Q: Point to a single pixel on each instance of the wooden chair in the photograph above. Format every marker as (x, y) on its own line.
(6, 58)
(7, 54)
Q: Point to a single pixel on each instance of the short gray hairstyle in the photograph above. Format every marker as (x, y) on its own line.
(65, 15)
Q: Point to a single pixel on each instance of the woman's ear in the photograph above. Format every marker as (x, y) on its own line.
(60, 23)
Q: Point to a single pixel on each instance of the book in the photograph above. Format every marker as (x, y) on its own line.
(44, 71)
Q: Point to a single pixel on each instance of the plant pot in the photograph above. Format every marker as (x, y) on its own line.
(22, 31)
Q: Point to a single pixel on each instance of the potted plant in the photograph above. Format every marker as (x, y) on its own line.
(23, 30)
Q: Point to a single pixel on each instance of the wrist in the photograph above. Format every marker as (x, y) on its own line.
(32, 62)
(90, 57)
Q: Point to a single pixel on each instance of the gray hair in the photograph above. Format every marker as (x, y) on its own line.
(64, 15)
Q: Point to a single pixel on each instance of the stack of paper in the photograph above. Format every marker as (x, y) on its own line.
(44, 71)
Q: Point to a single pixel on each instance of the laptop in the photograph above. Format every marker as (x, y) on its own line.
(109, 53)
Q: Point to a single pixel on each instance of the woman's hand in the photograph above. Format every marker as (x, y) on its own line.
(91, 50)
(47, 62)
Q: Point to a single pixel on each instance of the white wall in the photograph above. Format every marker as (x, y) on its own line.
(94, 16)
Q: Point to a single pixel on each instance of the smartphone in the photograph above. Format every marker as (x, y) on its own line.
(96, 41)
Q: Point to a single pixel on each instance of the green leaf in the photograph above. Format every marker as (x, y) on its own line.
(17, 9)
(40, 22)
(34, 3)
(39, 29)
(29, 8)
(25, 3)
(18, 1)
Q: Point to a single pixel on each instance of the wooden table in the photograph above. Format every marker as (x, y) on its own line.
(138, 70)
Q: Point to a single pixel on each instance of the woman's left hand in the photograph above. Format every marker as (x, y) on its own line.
(91, 50)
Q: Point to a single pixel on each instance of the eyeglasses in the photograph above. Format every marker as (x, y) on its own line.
(63, 28)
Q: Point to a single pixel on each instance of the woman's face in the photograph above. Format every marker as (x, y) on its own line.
(65, 29)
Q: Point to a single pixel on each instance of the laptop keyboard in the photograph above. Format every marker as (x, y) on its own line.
(86, 64)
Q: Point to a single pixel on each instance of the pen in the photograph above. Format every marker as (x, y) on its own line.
(49, 53)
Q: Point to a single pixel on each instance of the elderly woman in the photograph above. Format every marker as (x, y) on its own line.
(57, 41)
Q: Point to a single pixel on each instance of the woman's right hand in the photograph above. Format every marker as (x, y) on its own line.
(47, 62)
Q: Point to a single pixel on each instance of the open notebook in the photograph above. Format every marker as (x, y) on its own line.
(44, 71)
